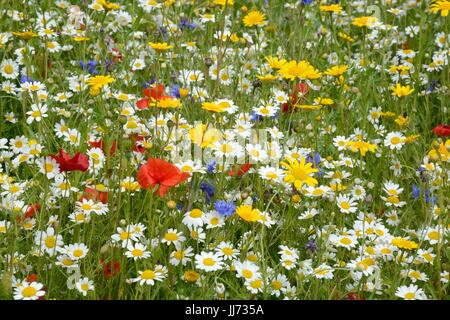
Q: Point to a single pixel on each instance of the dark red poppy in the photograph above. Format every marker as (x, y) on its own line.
(79, 162)
(31, 278)
(301, 88)
(159, 172)
(110, 268)
(152, 93)
(92, 194)
(442, 130)
(101, 144)
(355, 296)
(242, 169)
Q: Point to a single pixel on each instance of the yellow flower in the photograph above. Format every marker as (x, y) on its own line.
(441, 5)
(403, 243)
(108, 5)
(299, 70)
(26, 35)
(345, 37)
(324, 101)
(254, 18)
(267, 77)
(98, 82)
(361, 146)
(80, 38)
(331, 8)
(299, 172)
(336, 71)
(191, 276)
(411, 138)
(247, 213)
(308, 106)
(364, 21)
(158, 46)
(165, 103)
(212, 106)
(275, 63)
(401, 121)
(224, 3)
(401, 91)
(204, 137)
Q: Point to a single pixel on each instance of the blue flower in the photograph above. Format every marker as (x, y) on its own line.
(24, 78)
(212, 166)
(185, 24)
(208, 190)
(311, 246)
(415, 191)
(224, 208)
(175, 91)
(89, 66)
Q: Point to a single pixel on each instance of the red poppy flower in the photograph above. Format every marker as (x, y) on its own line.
(301, 88)
(30, 213)
(355, 296)
(152, 93)
(31, 278)
(162, 173)
(242, 169)
(442, 130)
(110, 268)
(96, 195)
(79, 162)
(101, 144)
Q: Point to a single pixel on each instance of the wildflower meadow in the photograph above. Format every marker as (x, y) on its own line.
(224, 149)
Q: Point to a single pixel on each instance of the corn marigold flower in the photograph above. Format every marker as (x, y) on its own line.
(293, 70)
(299, 173)
(254, 18)
(364, 21)
(401, 91)
(98, 82)
(440, 5)
(248, 213)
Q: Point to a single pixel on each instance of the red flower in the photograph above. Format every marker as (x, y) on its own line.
(110, 268)
(101, 144)
(294, 98)
(79, 162)
(136, 145)
(162, 173)
(30, 213)
(355, 296)
(242, 169)
(93, 194)
(31, 278)
(442, 130)
(152, 93)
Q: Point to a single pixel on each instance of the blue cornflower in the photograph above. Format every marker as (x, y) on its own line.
(208, 190)
(185, 24)
(24, 78)
(212, 166)
(311, 246)
(415, 191)
(175, 91)
(225, 208)
(89, 66)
